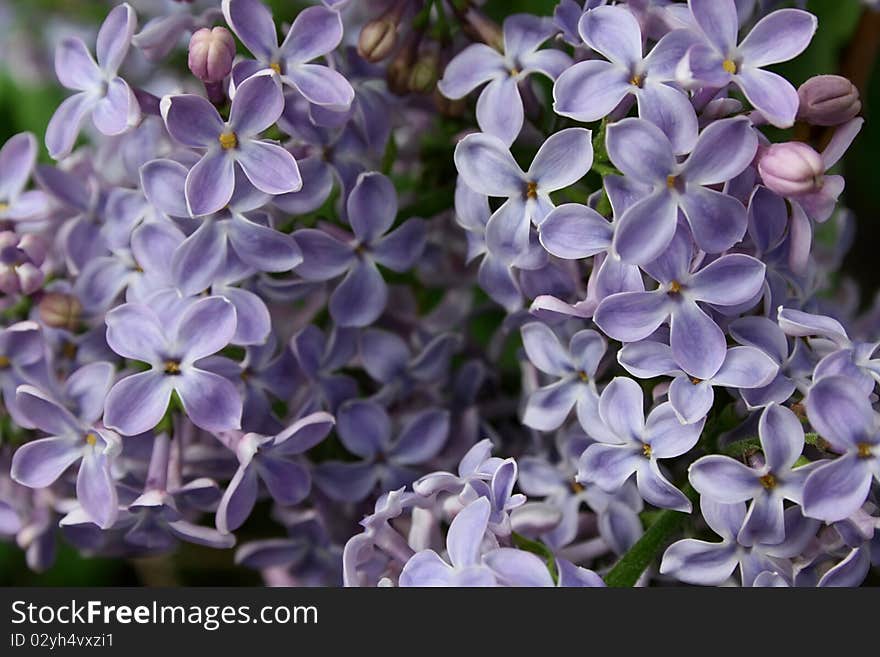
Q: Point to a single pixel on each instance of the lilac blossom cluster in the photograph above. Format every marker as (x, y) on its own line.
(227, 298)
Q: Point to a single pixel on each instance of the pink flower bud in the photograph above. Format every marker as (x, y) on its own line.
(791, 168)
(211, 52)
(828, 100)
(377, 39)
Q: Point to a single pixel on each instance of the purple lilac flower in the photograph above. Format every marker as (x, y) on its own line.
(100, 91)
(729, 481)
(574, 367)
(273, 460)
(743, 368)
(365, 429)
(841, 412)
(172, 348)
(194, 122)
(315, 32)
(645, 155)
(487, 167)
(631, 445)
(720, 60)
(590, 90)
(362, 295)
(17, 158)
(698, 344)
(40, 463)
(711, 564)
(500, 107)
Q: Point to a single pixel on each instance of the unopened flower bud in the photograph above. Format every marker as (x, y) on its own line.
(20, 260)
(400, 67)
(828, 100)
(211, 51)
(791, 169)
(60, 310)
(377, 39)
(425, 73)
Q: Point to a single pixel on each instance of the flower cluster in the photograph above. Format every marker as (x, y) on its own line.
(310, 278)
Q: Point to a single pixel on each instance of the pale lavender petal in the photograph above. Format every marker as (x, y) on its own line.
(75, 67)
(724, 479)
(563, 159)
(118, 110)
(508, 229)
(257, 104)
(613, 32)
(262, 247)
(745, 367)
(666, 434)
(640, 150)
(647, 359)
(66, 122)
(719, 22)
(671, 111)
(164, 184)
(134, 331)
(466, 533)
(500, 109)
(590, 90)
(632, 316)
(573, 231)
(731, 280)
(96, 490)
(771, 94)
(315, 32)
(210, 183)
(691, 401)
(621, 407)
(548, 407)
(544, 349)
(841, 412)
(837, 489)
(137, 403)
(402, 247)
(192, 120)
(238, 499)
(372, 206)
(196, 263)
(324, 256)
(646, 228)
(39, 463)
(486, 166)
(252, 22)
(700, 562)
(778, 37)
(698, 345)
(205, 328)
(656, 490)
(270, 168)
(518, 567)
(322, 86)
(473, 66)
(210, 401)
(361, 296)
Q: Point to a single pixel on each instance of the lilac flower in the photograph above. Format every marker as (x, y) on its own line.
(194, 122)
(698, 344)
(319, 357)
(575, 368)
(22, 352)
(500, 108)
(365, 429)
(101, 92)
(467, 566)
(17, 158)
(315, 32)
(590, 90)
(644, 154)
(630, 445)
(272, 459)
(499, 491)
(719, 61)
(711, 564)
(841, 412)
(41, 462)
(487, 167)
(743, 368)
(362, 295)
(20, 259)
(729, 481)
(172, 348)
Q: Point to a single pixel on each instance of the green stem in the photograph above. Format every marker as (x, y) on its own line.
(631, 566)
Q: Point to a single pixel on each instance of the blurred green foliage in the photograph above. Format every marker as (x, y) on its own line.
(27, 106)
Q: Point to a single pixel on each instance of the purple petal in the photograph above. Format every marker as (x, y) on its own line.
(17, 158)
(473, 66)
(315, 32)
(372, 206)
(137, 403)
(500, 109)
(518, 568)
(573, 231)
(163, 183)
(548, 407)
(364, 428)
(466, 533)
(75, 67)
(114, 38)
(719, 22)
(361, 296)
(262, 247)
(421, 438)
(87, 387)
(256, 106)
(346, 482)
(563, 159)
(238, 499)
(765, 521)
(632, 316)
(778, 37)
(724, 479)
(745, 367)
(39, 463)
(666, 434)
(647, 359)
(646, 228)
(656, 490)
(426, 568)
(691, 401)
(698, 345)
(118, 110)
(700, 562)
(96, 490)
(288, 482)
(508, 230)
(270, 167)
(590, 90)
(134, 331)
(322, 86)
(402, 247)
(837, 489)
(723, 150)
(210, 401)
(205, 328)
(614, 33)
(622, 408)
(671, 111)
(840, 411)
(771, 94)
(192, 120)
(252, 23)
(731, 280)
(196, 263)
(66, 122)
(324, 256)
(544, 349)
(523, 33)
(210, 183)
(486, 166)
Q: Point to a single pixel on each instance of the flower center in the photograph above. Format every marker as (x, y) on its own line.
(696, 381)
(637, 80)
(4, 362)
(674, 287)
(514, 71)
(3, 207)
(647, 451)
(91, 439)
(228, 140)
(583, 376)
(864, 450)
(577, 487)
(730, 66)
(670, 181)
(531, 189)
(172, 367)
(69, 350)
(275, 66)
(768, 481)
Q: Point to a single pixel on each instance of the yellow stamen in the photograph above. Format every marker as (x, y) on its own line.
(4, 362)
(531, 190)
(228, 140)
(636, 80)
(647, 451)
(768, 481)
(864, 450)
(583, 376)
(670, 181)
(172, 367)
(576, 487)
(275, 66)
(674, 287)
(69, 350)
(730, 66)
(3, 207)
(91, 439)
(696, 381)
(514, 72)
